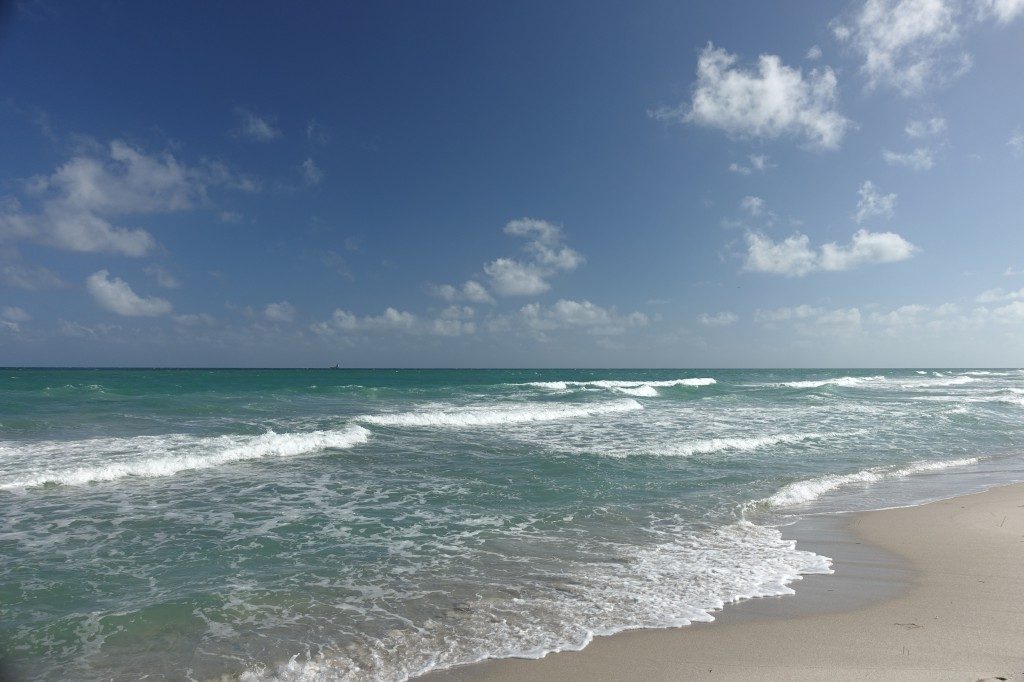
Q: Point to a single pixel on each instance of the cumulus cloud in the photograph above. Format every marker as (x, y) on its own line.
(813, 53)
(768, 101)
(794, 256)
(919, 159)
(548, 255)
(997, 295)
(471, 290)
(253, 126)
(114, 295)
(279, 312)
(78, 201)
(873, 203)
(345, 321)
(925, 128)
(723, 319)
(583, 315)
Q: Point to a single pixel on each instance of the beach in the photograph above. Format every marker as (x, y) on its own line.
(958, 613)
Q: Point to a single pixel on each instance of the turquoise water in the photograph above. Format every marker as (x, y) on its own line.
(376, 524)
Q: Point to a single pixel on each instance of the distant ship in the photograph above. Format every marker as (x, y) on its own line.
(335, 366)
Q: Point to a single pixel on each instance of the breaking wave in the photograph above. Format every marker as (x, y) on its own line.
(845, 382)
(109, 459)
(712, 445)
(811, 489)
(498, 415)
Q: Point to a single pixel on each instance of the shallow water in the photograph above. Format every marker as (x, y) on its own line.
(376, 524)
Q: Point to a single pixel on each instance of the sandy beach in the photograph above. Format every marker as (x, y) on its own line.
(954, 611)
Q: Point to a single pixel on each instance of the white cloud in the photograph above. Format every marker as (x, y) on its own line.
(471, 290)
(454, 321)
(997, 295)
(904, 42)
(548, 256)
(723, 319)
(569, 314)
(512, 278)
(926, 128)
(794, 256)
(1004, 11)
(799, 312)
(345, 321)
(117, 297)
(758, 162)
(311, 173)
(769, 101)
(912, 45)
(919, 159)
(813, 53)
(193, 320)
(163, 278)
(752, 205)
(78, 201)
(279, 312)
(1016, 143)
(873, 203)
(255, 127)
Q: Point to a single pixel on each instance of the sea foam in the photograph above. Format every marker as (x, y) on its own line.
(737, 443)
(844, 382)
(500, 414)
(109, 459)
(642, 389)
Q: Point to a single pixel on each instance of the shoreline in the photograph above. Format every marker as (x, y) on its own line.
(930, 592)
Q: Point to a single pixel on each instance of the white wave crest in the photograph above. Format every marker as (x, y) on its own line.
(498, 415)
(811, 489)
(109, 459)
(845, 382)
(642, 389)
(712, 445)
(951, 381)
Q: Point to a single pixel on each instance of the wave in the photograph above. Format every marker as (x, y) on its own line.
(643, 389)
(712, 445)
(845, 382)
(498, 415)
(813, 488)
(178, 452)
(944, 381)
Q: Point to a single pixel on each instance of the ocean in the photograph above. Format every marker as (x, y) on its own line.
(379, 524)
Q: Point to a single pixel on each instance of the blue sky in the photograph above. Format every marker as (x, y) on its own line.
(512, 184)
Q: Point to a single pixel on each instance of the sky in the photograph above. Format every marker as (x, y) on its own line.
(529, 184)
